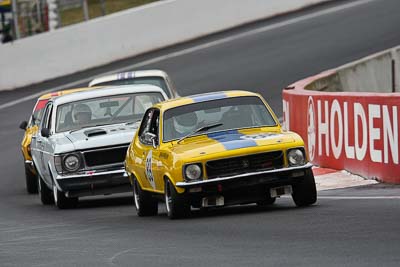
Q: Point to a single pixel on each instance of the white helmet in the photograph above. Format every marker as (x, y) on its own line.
(82, 113)
(185, 123)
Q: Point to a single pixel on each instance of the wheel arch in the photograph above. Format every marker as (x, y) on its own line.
(169, 177)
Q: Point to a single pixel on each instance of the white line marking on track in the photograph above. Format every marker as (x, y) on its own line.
(358, 197)
(194, 49)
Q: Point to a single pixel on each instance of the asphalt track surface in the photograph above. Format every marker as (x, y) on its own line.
(347, 227)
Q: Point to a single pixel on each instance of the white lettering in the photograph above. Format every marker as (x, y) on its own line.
(360, 113)
(347, 148)
(286, 118)
(374, 111)
(336, 147)
(323, 128)
(391, 135)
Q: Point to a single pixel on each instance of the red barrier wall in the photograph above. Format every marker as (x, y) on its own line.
(358, 132)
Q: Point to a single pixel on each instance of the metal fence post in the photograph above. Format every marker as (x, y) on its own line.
(85, 10)
(395, 68)
(103, 7)
(14, 8)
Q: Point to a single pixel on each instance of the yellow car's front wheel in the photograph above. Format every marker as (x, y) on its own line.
(145, 203)
(31, 181)
(177, 204)
(305, 192)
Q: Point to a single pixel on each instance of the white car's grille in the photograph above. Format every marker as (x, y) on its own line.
(105, 156)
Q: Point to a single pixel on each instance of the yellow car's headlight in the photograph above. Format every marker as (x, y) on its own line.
(296, 157)
(193, 172)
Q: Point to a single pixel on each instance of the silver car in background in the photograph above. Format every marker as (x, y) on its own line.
(82, 141)
(155, 77)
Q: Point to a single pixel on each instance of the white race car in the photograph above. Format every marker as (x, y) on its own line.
(80, 147)
(154, 77)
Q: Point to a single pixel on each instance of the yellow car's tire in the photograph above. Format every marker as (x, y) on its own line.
(145, 203)
(266, 202)
(63, 202)
(305, 191)
(45, 194)
(31, 181)
(177, 205)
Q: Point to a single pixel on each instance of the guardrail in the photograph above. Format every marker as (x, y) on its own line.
(125, 34)
(348, 116)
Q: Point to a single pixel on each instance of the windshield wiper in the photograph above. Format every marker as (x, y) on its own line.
(201, 129)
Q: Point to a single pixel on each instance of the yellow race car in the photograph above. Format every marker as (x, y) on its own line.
(31, 127)
(215, 149)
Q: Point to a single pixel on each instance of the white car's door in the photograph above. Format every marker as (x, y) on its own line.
(47, 147)
(42, 144)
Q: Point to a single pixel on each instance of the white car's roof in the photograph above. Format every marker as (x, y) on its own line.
(129, 75)
(109, 91)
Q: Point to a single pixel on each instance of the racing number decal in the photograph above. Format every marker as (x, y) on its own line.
(259, 136)
(149, 171)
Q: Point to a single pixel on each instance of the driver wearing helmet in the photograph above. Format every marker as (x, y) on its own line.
(82, 114)
(185, 124)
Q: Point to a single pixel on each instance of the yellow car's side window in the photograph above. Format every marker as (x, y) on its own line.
(148, 147)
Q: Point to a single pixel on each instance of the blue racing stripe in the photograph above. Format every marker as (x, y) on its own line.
(131, 75)
(232, 139)
(207, 97)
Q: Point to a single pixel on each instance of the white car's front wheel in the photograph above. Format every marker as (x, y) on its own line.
(45, 194)
(61, 201)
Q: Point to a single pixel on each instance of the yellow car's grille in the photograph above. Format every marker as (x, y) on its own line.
(243, 164)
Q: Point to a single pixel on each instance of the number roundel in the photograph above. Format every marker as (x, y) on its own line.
(149, 171)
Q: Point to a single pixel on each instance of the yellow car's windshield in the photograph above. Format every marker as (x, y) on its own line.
(230, 113)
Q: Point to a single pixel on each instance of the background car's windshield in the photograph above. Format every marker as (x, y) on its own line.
(157, 81)
(104, 110)
(233, 113)
(38, 112)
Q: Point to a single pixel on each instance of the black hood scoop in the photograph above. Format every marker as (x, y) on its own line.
(94, 132)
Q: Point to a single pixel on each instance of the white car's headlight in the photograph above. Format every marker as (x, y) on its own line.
(71, 163)
(193, 172)
(296, 157)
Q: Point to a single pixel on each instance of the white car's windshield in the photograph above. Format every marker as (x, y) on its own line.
(231, 113)
(104, 110)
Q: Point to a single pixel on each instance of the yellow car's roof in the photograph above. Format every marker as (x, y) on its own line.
(5, 3)
(172, 103)
(63, 92)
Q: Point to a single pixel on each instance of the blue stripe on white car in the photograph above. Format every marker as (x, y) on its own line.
(126, 75)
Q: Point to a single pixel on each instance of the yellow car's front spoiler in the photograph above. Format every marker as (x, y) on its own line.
(291, 170)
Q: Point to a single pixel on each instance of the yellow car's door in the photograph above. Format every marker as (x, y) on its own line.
(146, 152)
